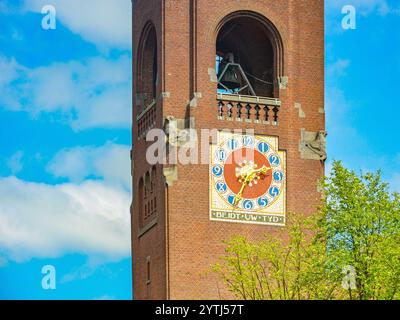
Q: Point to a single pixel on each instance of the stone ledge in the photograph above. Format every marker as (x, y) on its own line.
(249, 99)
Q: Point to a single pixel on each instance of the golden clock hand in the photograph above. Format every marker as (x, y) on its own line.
(262, 170)
(254, 173)
(238, 197)
(248, 178)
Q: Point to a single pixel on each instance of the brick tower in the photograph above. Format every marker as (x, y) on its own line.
(227, 64)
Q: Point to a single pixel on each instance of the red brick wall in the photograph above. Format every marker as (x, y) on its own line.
(151, 243)
(195, 242)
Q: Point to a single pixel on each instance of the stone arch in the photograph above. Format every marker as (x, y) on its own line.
(147, 67)
(256, 44)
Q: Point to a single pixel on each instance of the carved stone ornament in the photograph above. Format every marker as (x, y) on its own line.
(171, 175)
(283, 82)
(176, 132)
(313, 145)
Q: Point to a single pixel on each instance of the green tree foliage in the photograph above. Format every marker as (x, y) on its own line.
(362, 225)
(347, 250)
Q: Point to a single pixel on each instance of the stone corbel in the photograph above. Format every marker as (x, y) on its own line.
(177, 131)
(283, 82)
(195, 100)
(165, 95)
(213, 75)
(313, 145)
(171, 175)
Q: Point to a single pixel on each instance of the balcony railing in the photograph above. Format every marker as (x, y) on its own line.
(250, 109)
(146, 120)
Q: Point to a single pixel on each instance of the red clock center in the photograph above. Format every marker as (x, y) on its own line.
(237, 160)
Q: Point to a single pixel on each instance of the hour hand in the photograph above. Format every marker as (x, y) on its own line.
(262, 171)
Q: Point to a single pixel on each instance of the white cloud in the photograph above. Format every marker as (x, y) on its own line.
(87, 94)
(107, 23)
(10, 72)
(90, 217)
(337, 69)
(15, 163)
(110, 162)
(81, 273)
(328, 168)
(343, 136)
(334, 16)
(394, 182)
(110, 109)
(364, 7)
(8, 92)
(345, 142)
(45, 221)
(7, 7)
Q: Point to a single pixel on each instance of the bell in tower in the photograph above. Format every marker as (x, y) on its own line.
(231, 77)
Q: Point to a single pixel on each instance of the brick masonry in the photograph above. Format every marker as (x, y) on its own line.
(181, 242)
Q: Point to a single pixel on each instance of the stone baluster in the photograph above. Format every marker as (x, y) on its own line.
(257, 113)
(239, 111)
(248, 112)
(230, 110)
(275, 111)
(266, 113)
(220, 109)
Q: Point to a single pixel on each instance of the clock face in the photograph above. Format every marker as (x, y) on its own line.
(247, 175)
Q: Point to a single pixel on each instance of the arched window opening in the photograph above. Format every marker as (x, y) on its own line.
(141, 202)
(154, 193)
(148, 71)
(246, 58)
(147, 184)
(147, 198)
(153, 179)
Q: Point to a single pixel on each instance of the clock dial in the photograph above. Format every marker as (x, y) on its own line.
(247, 173)
(242, 162)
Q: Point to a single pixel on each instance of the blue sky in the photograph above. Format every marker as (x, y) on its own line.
(65, 117)
(65, 99)
(362, 68)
